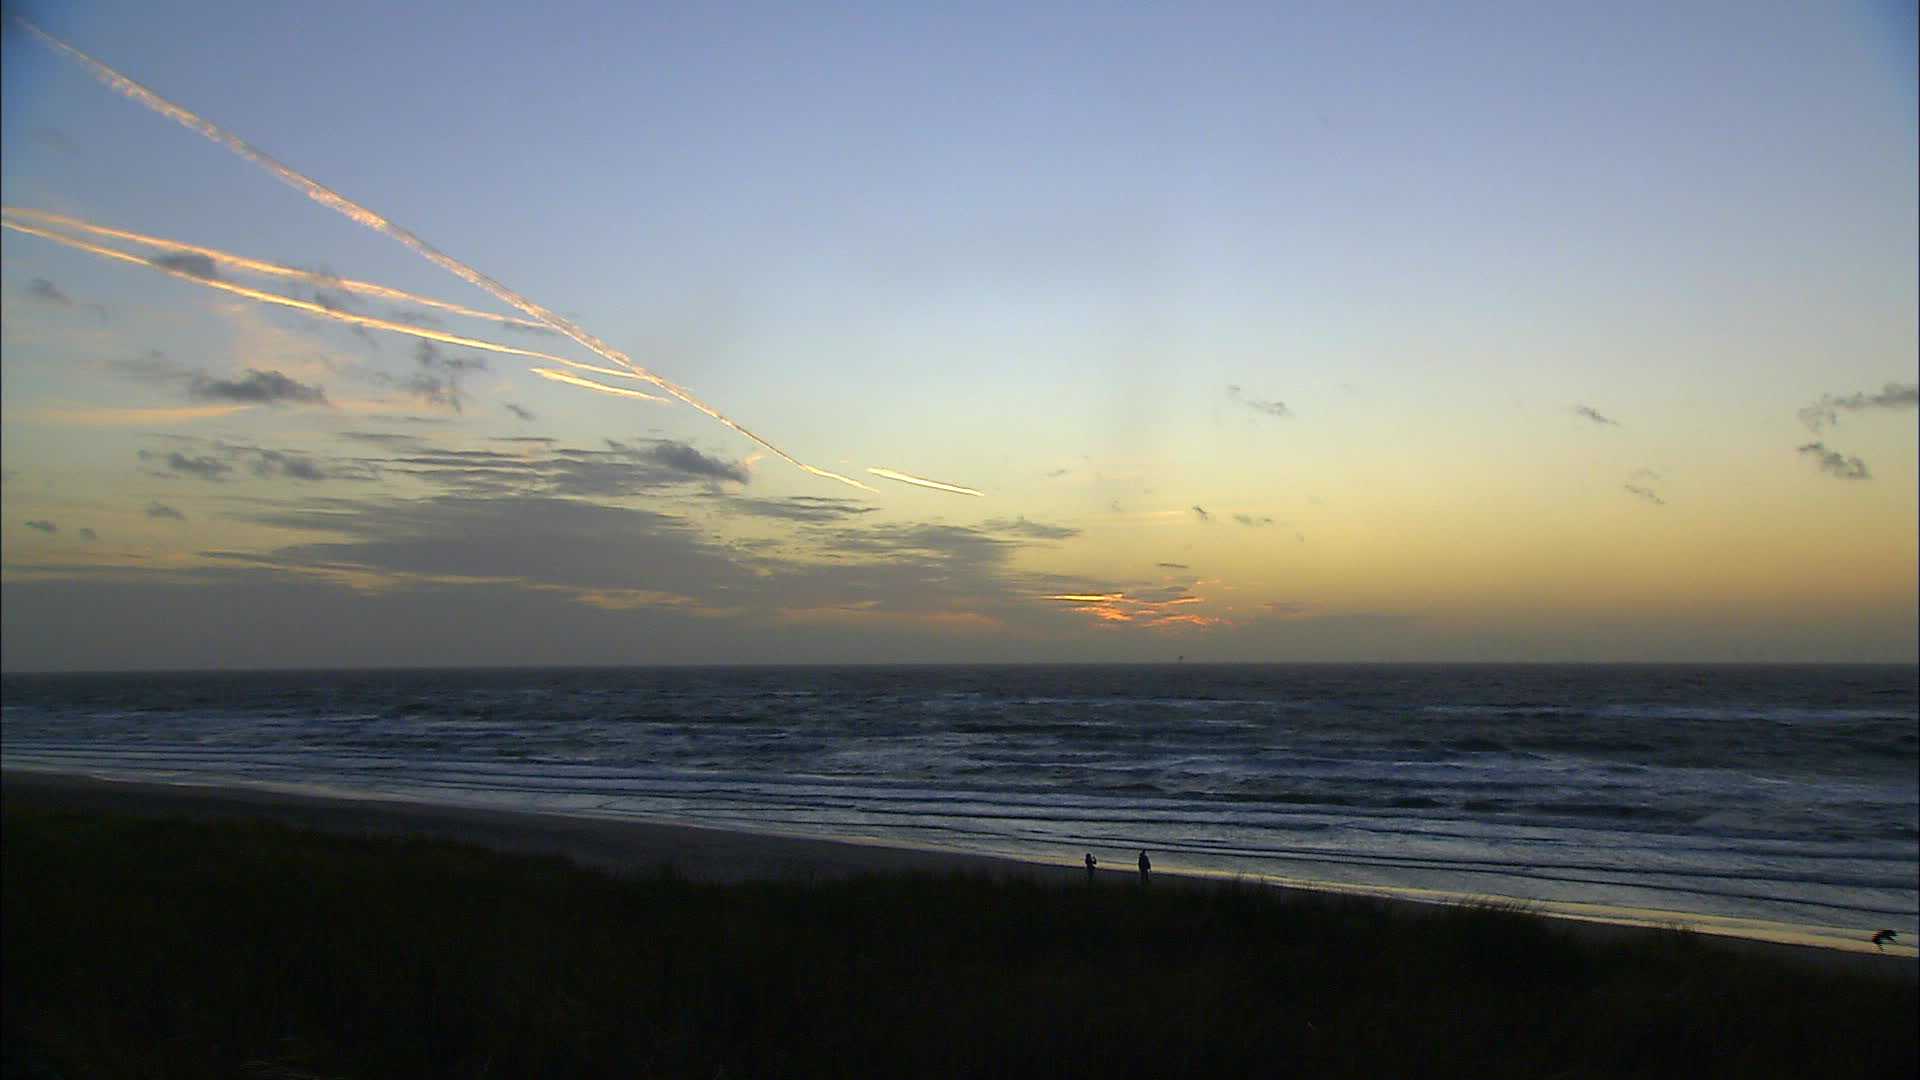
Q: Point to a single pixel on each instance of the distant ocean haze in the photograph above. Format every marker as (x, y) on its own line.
(1785, 794)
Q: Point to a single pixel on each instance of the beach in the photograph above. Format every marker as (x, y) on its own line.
(621, 847)
(160, 930)
(1773, 803)
(703, 854)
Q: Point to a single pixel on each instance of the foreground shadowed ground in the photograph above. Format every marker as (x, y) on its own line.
(168, 948)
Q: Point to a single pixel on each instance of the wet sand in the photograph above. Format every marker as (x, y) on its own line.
(706, 854)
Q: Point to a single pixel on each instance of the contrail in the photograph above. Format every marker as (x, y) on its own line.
(258, 266)
(615, 372)
(323, 311)
(575, 380)
(921, 481)
(307, 306)
(333, 200)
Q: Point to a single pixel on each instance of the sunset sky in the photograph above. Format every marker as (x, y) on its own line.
(1284, 332)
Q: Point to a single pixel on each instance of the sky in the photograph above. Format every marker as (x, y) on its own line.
(1267, 333)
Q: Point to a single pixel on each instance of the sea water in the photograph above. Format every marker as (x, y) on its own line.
(1719, 796)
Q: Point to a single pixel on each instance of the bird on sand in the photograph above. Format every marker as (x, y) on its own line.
(1880, 939)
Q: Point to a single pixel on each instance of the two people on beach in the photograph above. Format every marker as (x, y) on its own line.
(1146, 867)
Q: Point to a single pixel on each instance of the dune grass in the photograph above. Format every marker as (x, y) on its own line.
(142, 947)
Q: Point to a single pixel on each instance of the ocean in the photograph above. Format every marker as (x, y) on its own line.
(1766, 800)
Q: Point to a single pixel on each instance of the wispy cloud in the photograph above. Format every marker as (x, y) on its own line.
(438, 382)
(1173, 566)
(335, 301)
(429, 355)
(220, 460)
(534, 465)
(1253, 522)
(269, 463)
(946, 543)
(387, 438)
(1844, 466)
(165, 512)
(43, 526)
(1020, 526)
(1826, 412)
(1594, 415)
(46, 292)
(807, 509)
(253, 387)
(198, 265)
(417, 318)
(88, 535)
(1639, 484)
(432, 390)
(258, 388)
(609, 556)
(206, 468)
(522, 413)
(682, 458)
(1270, 408)
(1646, 493)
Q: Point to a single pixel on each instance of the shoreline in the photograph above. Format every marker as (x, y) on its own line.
(708, 854)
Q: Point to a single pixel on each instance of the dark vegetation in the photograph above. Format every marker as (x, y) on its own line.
(138, 947)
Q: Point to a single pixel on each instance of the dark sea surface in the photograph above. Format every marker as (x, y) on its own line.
(1785, 794)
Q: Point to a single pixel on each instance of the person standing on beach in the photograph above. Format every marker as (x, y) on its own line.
(1091, 863)
(1146, 868)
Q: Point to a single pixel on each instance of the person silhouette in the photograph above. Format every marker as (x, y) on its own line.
(1091, 863)
(1880, 939)
(1146, 868)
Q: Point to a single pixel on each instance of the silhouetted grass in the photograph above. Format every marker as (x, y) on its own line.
(138, 947)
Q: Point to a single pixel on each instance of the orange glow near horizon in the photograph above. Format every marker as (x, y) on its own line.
(1112, 608)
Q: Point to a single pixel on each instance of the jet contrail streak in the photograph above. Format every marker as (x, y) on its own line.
(307, 306)
(615, 372)
(333, 200)
(921, 481)
(575, 380)
(259, 266)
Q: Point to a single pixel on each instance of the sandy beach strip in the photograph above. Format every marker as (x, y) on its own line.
(701, 853)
